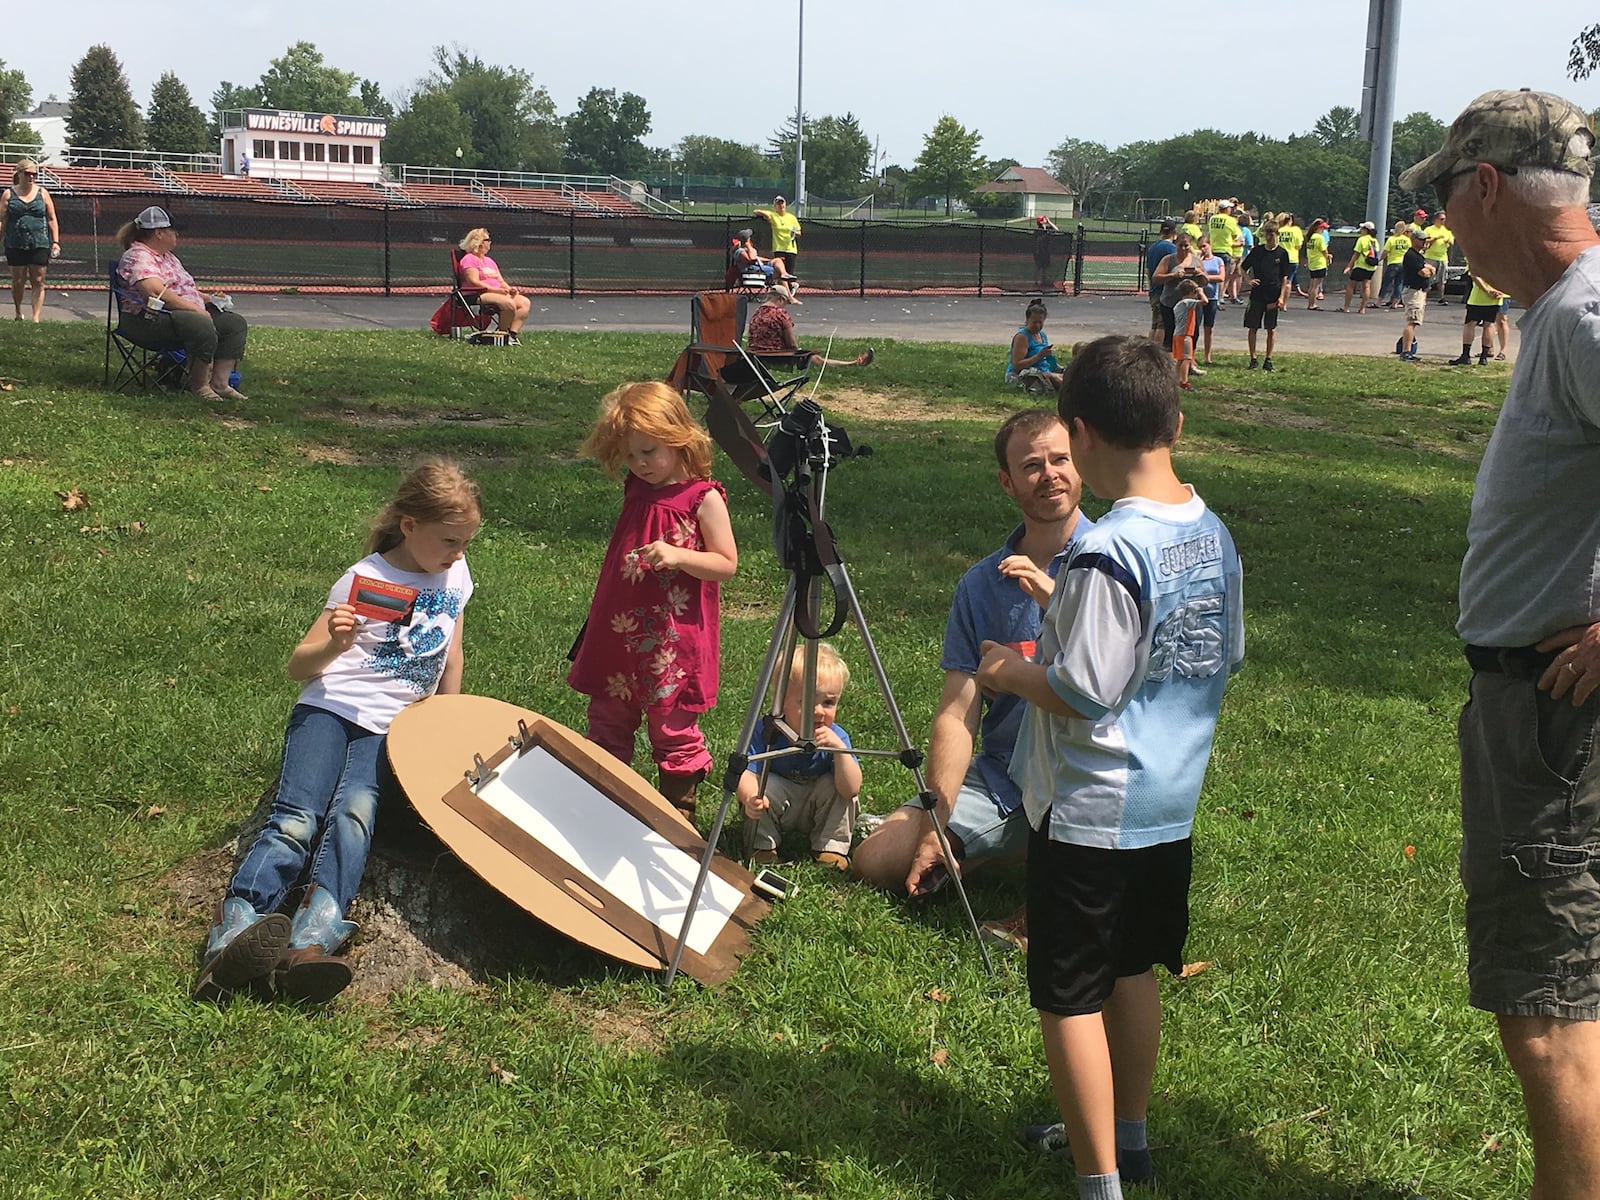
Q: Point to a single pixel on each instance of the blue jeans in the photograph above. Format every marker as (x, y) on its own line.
(325, 810)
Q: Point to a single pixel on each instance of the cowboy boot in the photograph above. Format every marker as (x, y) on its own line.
(679, 790)
(242, 946)
(311, 971)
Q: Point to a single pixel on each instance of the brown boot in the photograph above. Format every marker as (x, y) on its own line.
(679, 789)
(312, 972)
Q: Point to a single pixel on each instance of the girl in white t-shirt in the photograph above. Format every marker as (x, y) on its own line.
(356, 672)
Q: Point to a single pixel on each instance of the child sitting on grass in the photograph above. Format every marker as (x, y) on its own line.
(814, 792)
(1142, 631)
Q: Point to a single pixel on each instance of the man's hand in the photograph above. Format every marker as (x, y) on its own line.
(1576, 668)
(928, 870)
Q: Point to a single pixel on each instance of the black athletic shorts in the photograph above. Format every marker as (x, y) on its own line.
(1257, 314)
(17, 257)
(1097, 915)
(1361, 274)
(1482, 314)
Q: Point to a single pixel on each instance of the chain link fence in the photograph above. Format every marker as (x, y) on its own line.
(372, 247)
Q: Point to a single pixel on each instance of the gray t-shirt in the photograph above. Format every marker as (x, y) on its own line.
(1533, 540)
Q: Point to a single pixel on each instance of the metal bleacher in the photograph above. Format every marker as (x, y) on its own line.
(544, 194)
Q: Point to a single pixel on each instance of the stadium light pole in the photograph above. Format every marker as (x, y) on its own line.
(800, 114)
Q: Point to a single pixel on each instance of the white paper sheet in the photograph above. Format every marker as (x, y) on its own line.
(609, 846)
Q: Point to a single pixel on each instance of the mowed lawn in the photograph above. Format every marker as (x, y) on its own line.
(1323, 1048)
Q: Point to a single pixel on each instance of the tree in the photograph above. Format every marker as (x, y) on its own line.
(949, 164)
(605, 132)
(1339, 130)
(16, 97)
(838, 157)
(175, 125)
(1415, 137)
(301, 82)
(1086, 168)
(431, 129)
(514, 123)
(101, 111)
(228, 98)
(372, 102)
(1585, 53)
(702, 155)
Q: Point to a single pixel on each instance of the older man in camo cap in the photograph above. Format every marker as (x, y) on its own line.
(1513, 177)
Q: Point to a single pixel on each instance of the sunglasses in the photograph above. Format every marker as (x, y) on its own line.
(1444, 187)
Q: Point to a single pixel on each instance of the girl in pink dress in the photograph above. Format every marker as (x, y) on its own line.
(650, 646)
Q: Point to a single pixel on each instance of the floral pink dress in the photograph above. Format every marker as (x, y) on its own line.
(653, 636)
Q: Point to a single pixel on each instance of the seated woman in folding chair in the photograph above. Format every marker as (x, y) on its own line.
(772, 335)
(162, 308)
(480, 273)
(746, 256)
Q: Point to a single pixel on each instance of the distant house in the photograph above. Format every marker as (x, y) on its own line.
(49, 121)
(1040, 193)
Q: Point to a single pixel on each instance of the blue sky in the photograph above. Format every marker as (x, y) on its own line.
(1026, 77)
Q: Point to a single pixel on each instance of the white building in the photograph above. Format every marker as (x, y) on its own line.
(49, 121)
(299, 145)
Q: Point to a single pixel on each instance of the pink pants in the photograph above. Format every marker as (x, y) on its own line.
(676, 743)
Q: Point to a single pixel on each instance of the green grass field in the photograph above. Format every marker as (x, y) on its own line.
(860, 1052)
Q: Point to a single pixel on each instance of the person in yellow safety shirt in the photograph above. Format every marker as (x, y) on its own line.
(785, 229)
(1440, 239)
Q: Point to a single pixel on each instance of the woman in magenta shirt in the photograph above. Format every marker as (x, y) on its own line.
(480, 273)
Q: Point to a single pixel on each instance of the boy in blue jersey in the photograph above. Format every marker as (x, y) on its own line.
(1142, 632)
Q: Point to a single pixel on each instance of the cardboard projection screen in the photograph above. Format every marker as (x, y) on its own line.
(569, 834)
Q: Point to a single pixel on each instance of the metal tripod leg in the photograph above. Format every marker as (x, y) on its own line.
(781, 637)
(915, 764)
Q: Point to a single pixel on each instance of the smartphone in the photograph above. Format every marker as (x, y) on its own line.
(772, 885)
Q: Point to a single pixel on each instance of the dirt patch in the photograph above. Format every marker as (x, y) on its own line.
(893, 406)
(425, 919)
(1261, 414)
(235, 423)
(376, 418)
(635, 1028)
(338, 456)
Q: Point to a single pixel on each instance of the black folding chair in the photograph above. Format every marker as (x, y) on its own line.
(719, 368)
(142, 367)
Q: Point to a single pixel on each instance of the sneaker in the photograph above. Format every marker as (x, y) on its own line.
(1410, 356)
(513, 340)
(1461, 360)
(1184, 385)
(1193, 370)
(1253, 364)
(1135, 1166)
(868, 824)
(828, 858)
(1266, 364)
(1483, 357)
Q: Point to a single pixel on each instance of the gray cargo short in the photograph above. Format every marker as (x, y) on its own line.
(1530, 847)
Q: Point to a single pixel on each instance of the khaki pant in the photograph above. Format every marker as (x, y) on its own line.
(811, 806)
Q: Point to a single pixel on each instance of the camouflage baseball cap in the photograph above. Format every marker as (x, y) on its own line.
(1511, 129)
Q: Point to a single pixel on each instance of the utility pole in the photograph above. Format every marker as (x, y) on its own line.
(800, 114)
(1377, 104)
